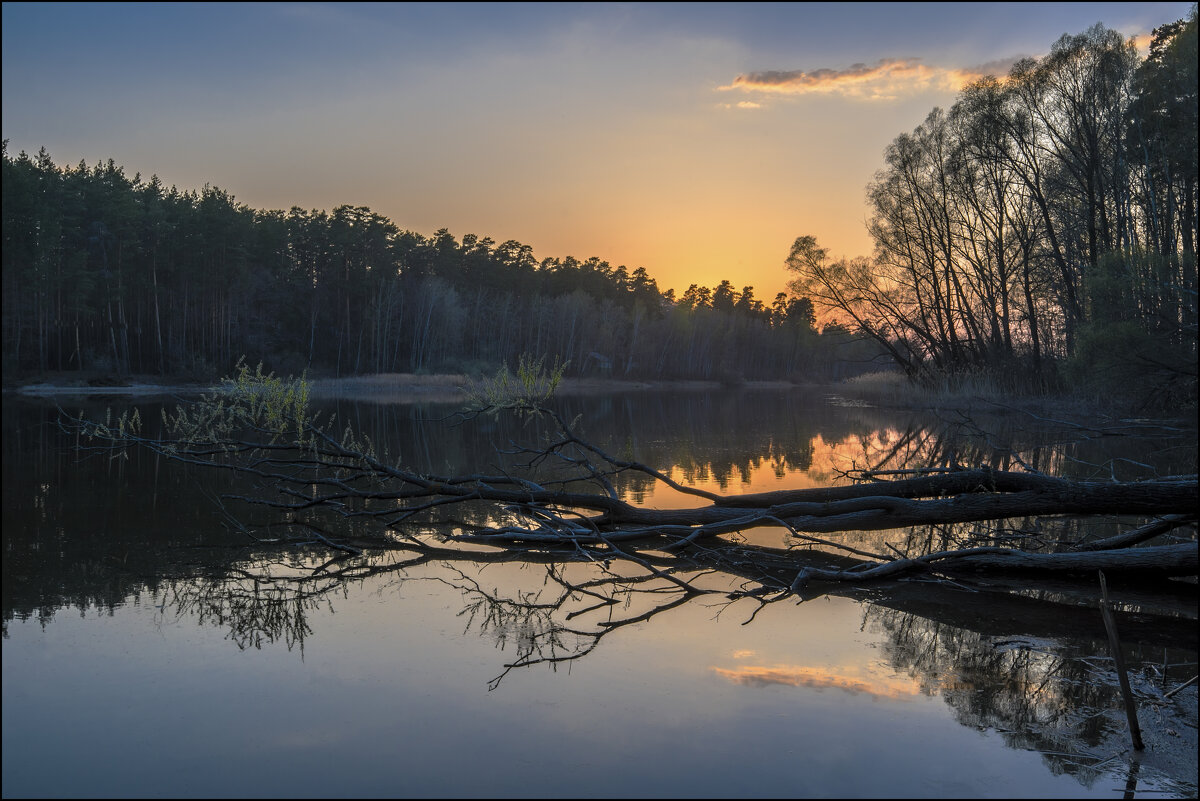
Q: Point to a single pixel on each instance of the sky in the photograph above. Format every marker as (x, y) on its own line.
(695, 140)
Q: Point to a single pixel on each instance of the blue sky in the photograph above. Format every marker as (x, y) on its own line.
(617, 130)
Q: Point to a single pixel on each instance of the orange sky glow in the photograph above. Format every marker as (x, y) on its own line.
(697, 141)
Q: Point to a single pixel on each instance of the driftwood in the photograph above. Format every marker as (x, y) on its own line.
(563, 493)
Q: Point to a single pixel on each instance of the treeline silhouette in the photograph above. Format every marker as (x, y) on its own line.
(1043, 229)
(103, 272)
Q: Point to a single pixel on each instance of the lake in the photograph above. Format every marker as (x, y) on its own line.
(151, 649)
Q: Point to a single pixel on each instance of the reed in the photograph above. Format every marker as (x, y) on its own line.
(893, 389)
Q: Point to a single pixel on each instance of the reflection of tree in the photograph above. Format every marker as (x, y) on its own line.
(572, 601)
(1118, 450)
(562, 490)
(566, 615)
(728, 437)
(574, 596)
(569, 616)
(692, 434)
(1056, 696)
(1029, 668)
(951, 641)
(260, 602)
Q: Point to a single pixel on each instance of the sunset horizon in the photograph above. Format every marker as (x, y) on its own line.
(696, 142)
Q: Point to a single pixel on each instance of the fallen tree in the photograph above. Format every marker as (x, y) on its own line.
(344, 492)
(1163, 560)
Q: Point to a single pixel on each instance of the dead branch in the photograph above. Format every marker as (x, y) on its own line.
(1161, 560)
(563, 495)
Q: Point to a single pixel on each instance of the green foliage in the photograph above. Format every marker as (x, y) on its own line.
(1110, 357)
(1122, 351)
(276, 405)
(1109, 288)
(528, 389)
(249, 401)
(119, 432)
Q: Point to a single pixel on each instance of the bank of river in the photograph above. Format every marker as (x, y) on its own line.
(381, 387)
(887, 390)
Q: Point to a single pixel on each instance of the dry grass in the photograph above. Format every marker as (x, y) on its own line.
(964, 391)
(452, 386)
(894, 389)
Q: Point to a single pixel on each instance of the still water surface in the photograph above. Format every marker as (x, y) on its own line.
(150, 651)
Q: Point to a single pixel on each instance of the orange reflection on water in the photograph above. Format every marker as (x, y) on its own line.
(820, 464)
(850, 680)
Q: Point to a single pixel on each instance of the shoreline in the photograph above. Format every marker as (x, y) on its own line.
(398, 386)
(872, 390)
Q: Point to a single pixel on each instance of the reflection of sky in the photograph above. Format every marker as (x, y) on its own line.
(579, 129)
(391, 699)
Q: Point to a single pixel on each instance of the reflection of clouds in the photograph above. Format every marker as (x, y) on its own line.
(894, 688)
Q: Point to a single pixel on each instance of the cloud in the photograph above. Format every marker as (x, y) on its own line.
(998, 68)
(886, 79)
(748, 104)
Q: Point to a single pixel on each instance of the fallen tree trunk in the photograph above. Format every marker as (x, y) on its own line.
(980, 601)
(880, 506)
(565, 495)
(1140, 534)
(1161, 561)
(942, 482)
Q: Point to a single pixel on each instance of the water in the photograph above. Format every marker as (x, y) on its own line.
(150, 650)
